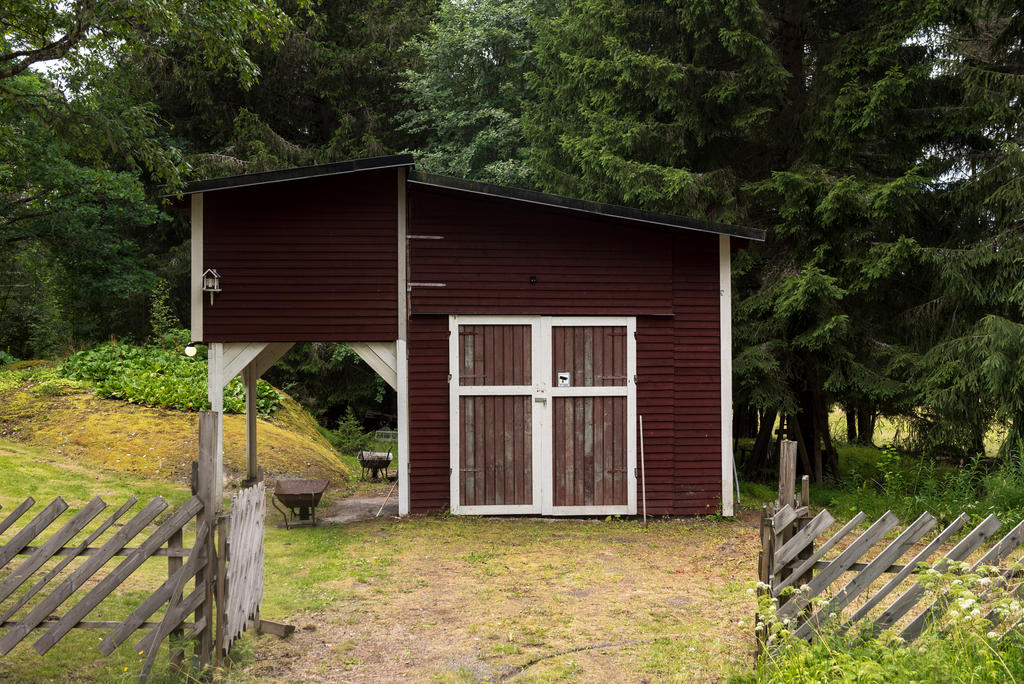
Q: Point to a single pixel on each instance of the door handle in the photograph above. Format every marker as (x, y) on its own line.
(541, 400)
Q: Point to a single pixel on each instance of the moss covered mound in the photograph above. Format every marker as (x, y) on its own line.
(67, 420)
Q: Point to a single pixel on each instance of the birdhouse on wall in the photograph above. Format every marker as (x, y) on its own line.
(211, 283)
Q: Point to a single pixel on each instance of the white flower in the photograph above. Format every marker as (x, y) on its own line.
(985, 581)
(741, 623)
(954, 614)
(993, 635)
(750, 591)
(976, 612)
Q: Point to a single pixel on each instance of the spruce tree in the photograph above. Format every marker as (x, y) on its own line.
(815, 121)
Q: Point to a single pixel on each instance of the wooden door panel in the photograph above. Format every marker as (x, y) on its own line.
(495, 355)
(594, 356)
(589, 459)
(495, 451)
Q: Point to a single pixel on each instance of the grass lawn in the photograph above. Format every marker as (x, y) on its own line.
(444, 599)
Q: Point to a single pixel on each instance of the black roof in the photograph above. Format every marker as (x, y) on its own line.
(460, 184)
(298, 173)
(613, 210)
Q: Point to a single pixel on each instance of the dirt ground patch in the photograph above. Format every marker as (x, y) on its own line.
(488, 600)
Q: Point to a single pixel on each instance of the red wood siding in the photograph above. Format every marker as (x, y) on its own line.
(655, 401)
(428, 414)
(697, 442)
(489, 250)
(312, 260)
(491, 247)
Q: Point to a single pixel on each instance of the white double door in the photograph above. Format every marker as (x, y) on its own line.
(543, 415)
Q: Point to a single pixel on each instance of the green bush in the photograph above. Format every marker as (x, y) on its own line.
(158, 376)
(6, 358)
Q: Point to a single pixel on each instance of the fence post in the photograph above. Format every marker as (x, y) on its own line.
(765, 570)
(206, 490)
(787, 473)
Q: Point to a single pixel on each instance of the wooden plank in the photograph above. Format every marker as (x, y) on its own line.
(863, 580)
(176, 654)
(905, 571)
(167, 591)
(807, 564)
(85, 624)
(92, 550)
(801, 539)
(81, 574)
(118, 575)
(31, 531)
(16, 513)
(938, 608)
(44, 553)
(787, 472)
(275, 628)
(70, 556)
(849, 555)
(222, 559)
(786, 516)
(173, 618)
(910, 597)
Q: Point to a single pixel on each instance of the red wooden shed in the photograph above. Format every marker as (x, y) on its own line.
(526, 334)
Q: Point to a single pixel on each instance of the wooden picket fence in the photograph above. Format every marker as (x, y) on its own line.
(224, 568)
(792, 556)
(81, 562)
(243, 552)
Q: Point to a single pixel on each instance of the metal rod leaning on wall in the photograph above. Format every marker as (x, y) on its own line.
(643, 473)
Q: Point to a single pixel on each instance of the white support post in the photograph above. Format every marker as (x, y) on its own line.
(197, 267)
(401, 350)
(249, 379)
(725, 356)
(215, 389)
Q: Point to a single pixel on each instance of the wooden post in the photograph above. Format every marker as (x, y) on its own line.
(787, 473)
(765, 569)
(174, 563)
(250, 381)
(208, 492)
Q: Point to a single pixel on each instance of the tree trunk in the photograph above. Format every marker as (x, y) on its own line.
(865, 426)
(851, 424)
(800, 443)
(764, 439)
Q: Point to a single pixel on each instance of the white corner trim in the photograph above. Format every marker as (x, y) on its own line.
(401, 349)
(725, 356)
(196, 287)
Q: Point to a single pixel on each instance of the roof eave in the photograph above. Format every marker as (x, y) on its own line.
(584, 206)
(298, 173)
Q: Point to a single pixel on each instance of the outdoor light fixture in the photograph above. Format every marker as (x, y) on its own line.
(190, 349)
(211, 283)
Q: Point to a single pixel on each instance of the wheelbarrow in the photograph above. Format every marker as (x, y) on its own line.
(374, 462)
(301, 497)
